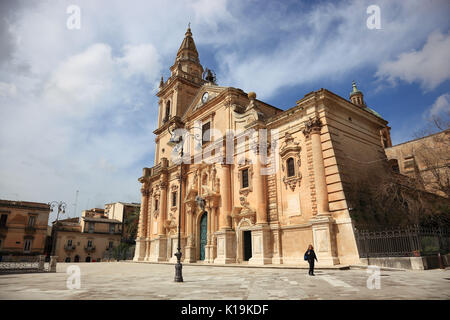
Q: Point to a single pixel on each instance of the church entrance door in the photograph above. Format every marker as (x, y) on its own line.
(247, 245)
(203, 235)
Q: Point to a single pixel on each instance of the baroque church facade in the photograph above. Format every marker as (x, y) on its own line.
(243, 209)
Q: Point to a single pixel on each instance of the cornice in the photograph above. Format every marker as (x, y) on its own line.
(176, 79)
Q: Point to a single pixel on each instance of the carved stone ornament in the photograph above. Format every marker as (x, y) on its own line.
(217, 185)
(200, 202)
(290, 149)
(312, 126)
(246, 164)
(145, 192)
(163, 185)
(170, 224)
(292, 182)
(244, 212)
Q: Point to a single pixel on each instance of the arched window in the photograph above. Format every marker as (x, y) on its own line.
(290, 167)
(166, 117)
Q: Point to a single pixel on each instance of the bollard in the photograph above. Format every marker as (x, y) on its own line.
(41, 263)
(441, 265)
(53, 263)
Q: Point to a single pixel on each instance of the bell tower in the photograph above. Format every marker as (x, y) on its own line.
(356, 96)
(185, 79)
(187, 62)
(178, 91)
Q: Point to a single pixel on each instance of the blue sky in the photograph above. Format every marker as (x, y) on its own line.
(78, 107)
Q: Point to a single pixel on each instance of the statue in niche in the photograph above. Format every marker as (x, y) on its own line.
(200, 202)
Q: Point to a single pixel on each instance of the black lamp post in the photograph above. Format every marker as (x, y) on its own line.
(61, 209)
(177, 140)
(174, 141)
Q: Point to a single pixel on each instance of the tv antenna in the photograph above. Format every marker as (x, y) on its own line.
(75, 204)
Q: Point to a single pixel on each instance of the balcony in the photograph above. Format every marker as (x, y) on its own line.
(3, 229)
(69, 247)
(89, 249)
(109, 249)
(30, 229)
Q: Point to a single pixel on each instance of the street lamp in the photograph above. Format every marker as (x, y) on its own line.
(174, 141)
(61, 209)
(177, 140)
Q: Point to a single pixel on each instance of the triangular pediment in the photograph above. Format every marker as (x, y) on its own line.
(198, 103)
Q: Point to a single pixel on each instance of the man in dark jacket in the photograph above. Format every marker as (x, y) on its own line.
(310, 256)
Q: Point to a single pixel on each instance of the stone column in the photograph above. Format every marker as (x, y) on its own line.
(209, 225)
(53, 261)
(319, 170)
(225, 237)
(41, 263)
(149, 227)
(208, 246)
(139, 253)
(213, 220)
(225, 194)
(163, 206)
(261, 239)
(160, 253)
(190, 247)
(259, 189)
(322, 223)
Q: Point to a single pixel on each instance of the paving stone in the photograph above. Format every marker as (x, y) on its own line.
(128, 280)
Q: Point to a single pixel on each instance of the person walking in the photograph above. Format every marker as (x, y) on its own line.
(310, 256)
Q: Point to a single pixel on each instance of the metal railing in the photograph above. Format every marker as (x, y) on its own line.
(89, 248)
(26, 264)
(69, 247)
(30, 229)
(402, 242)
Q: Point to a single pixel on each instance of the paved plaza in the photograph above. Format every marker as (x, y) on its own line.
(128, 280)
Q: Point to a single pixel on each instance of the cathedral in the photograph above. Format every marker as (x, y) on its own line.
(253, 203)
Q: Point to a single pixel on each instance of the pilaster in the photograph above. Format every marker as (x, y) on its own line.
(160, 252)
(139, 251)
(261, 245)
(225, 194)
(226, 247)
(324, 240)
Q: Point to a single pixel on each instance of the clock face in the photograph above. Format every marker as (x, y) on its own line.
(205, 97)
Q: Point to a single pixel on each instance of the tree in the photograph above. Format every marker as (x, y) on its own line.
(131, 223)
(120, 252)
(432, 154)
(382, 198)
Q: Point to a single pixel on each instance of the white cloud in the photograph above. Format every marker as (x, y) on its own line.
(429, 66)
(326, 41)
(7, 89)
(440, 107)
(211, 13)
(79, 114)
(84, 83)
(142, 60)
(81, 80)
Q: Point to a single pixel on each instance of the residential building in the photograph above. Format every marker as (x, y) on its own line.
(90, 238)
(425, 159)
(121, 211)
(23, 227)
